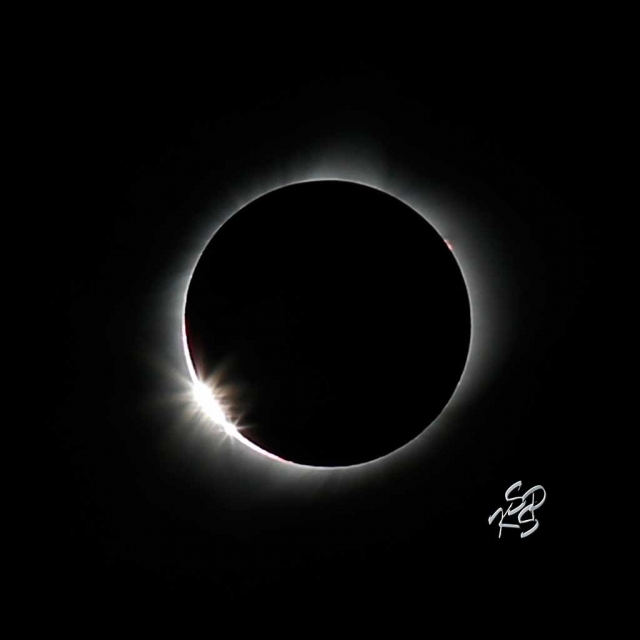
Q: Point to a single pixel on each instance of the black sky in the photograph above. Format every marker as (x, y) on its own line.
(132, 504)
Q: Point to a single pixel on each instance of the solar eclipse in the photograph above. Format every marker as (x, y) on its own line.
(327, 323)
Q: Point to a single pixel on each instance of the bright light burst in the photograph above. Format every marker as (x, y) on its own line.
(206, 399)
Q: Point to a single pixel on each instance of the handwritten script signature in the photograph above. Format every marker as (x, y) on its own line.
(524, 506)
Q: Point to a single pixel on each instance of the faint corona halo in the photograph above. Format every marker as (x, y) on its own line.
(334, 320)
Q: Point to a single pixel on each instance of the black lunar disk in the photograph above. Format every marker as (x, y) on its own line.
(333, 317)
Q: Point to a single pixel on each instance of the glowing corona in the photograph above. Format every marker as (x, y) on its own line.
(206, 398)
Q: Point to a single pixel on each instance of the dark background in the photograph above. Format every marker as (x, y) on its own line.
(131, 506)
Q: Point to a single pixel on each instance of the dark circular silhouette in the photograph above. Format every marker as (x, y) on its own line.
(335, 317)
